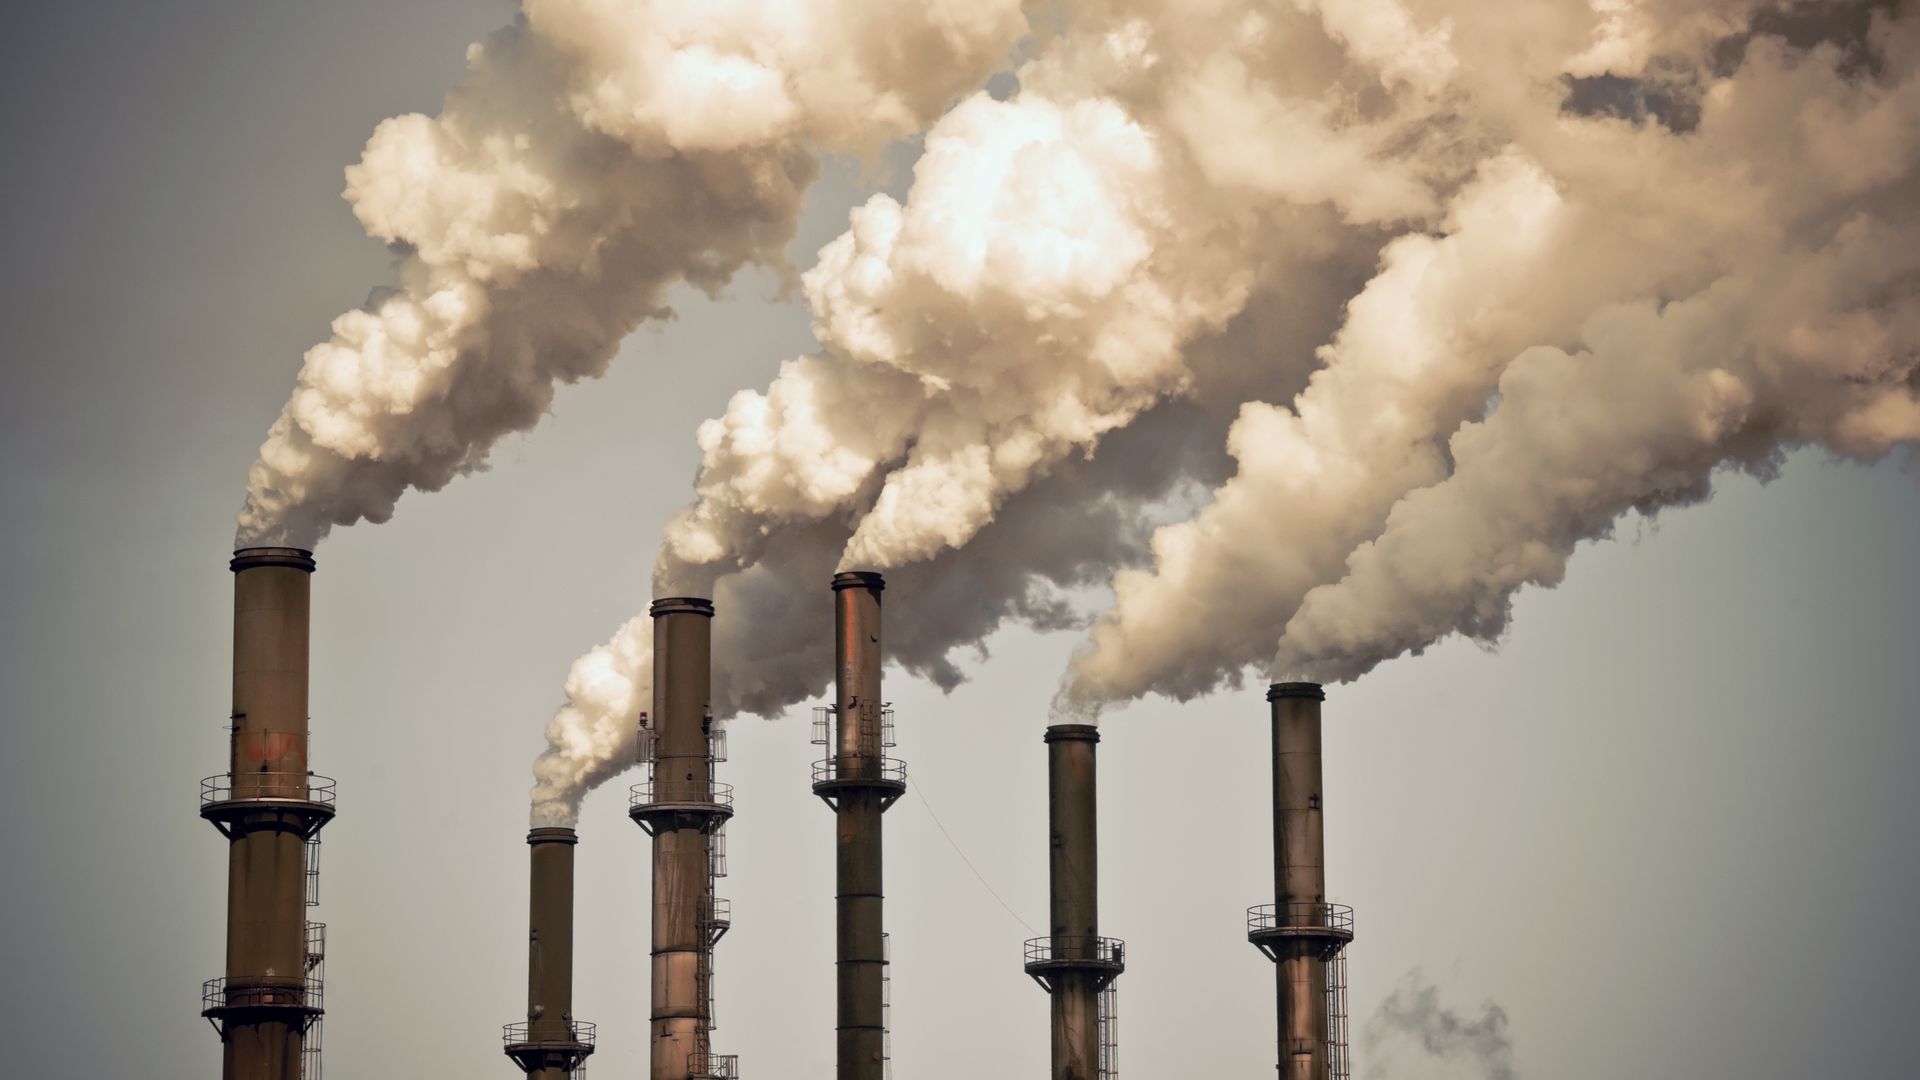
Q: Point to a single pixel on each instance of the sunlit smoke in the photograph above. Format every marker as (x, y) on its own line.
(1315, 330)
(595, 156)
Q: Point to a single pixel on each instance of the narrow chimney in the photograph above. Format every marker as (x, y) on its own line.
(1075, 965)
(859, 782)
(1300, 932)
(270, 807)
(684, 810)
(551, 1045)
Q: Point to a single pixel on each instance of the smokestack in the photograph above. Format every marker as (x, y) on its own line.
(551, 1045)
(859, 782)
(270, 807)
(1075, 965)
(681, 807)
(1300, 932)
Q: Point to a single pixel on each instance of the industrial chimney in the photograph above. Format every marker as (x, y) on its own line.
(859, 782)
(685, 812)
(551, 1044)
(1075, 965)
(267, 1007)
(1300, 932)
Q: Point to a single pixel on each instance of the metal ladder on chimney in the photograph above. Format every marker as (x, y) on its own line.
(1109, 1032)
(1339, 1066)
(315, 951)
(716, 918)
(886, 1003)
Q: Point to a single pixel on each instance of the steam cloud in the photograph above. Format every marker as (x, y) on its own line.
(1315, 328)
(1413, 1015)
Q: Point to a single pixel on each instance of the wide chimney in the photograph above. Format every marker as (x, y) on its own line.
(270, 807)
(1300, 932)
(1074, 964)
(859, 782)
(551, 1045)
(684, 810)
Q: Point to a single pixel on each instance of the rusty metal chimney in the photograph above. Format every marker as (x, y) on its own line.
(1300, 932)
(859, 782)
(685, 812)
(1075, 965)
(551, 1044)
(270, 807)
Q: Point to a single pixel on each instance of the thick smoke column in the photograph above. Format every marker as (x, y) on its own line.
(1072, 265)
(1714, 266)
(1541, 266)
(595, 155)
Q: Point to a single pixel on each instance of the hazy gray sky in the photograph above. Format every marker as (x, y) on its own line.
(1669, 826)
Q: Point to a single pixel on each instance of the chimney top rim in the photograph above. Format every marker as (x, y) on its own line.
(859, 579)
(681, 605)
(254, 558)
(1312, 691)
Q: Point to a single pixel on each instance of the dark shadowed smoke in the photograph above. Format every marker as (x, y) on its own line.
(1669, 92)
(1066, 532)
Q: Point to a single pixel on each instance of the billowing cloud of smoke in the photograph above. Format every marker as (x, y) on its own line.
(1066, 273)
(1609, 311)
(1095, 313)
(1412, 1020)
(595, 155)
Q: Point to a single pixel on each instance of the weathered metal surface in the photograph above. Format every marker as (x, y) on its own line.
(1074, 964)
(551, 1043)
(264, 1006)
(1302, 940)
(860, 949)
(682, 833)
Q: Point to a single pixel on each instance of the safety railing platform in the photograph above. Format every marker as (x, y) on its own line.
(709, 1066)
(580, 1034)
(530, 1050)
(225, 996)
(1328, 926)
(303, 800)
(1105, 956)
(705, 804)
(834, 776)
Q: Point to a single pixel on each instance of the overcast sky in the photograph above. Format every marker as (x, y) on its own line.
(1669, 827)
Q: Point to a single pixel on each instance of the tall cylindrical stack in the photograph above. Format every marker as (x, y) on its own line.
(1074, 963)
(1301, 932)
(682, 808)
(859, 782)
(551, 1044)
(269, 806)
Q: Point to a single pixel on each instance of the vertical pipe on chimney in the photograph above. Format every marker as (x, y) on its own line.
(550, 1045)
(1301, 933)
(1077, 963)
(861, 794)
(682, 810)
(267, 805)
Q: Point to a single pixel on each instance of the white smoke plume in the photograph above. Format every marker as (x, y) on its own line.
(1062, 266)
(595, 155)
(1413, 1022)
(1700, 273)
(1314, 326)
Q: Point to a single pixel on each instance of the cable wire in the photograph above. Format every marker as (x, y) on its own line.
(978, 876)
